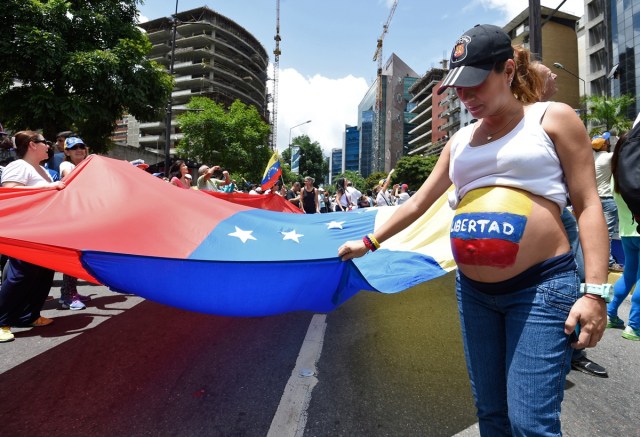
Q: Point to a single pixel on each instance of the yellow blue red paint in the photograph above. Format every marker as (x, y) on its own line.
(488, 226)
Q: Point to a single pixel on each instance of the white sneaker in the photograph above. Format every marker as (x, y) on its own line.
(6, 334)
(631, 334)
(72, 304)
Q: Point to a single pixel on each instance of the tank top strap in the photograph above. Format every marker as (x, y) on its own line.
(535, 112)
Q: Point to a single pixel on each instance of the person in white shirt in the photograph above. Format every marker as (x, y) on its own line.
(403, 195)
(382, 197)
(353, 193)
(26, 285)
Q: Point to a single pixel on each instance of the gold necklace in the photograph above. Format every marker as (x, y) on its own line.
(490, 136)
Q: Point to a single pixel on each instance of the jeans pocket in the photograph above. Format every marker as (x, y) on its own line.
(561, 291)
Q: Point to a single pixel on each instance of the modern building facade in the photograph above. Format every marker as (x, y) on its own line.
(438, 116)
(366, 117)
(559, 45)
(612, 42)
(351, 149)
(335, 164)
(395, 126)
(214, 57)
(425, 106)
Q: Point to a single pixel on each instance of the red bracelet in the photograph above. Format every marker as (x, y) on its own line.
(594, 297)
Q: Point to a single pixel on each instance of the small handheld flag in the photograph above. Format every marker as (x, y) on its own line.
(272, 173)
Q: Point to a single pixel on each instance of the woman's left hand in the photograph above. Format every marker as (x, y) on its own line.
(591, 315)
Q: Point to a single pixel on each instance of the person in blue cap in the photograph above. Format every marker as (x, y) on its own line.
(75, 151)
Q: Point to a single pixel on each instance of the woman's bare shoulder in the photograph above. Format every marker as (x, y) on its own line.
(561, 121)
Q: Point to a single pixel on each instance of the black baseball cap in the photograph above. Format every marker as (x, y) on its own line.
(475, 54)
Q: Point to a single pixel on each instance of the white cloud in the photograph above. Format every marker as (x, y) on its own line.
(330, 104)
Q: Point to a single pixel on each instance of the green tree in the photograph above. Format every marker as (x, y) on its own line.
(312, 161)
(288, 176)
(374, 178)
(607, 113)
(414, 170)
(77, 65)
(357, 180)
(234, 138)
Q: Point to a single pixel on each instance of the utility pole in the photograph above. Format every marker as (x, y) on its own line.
(276, 72)
(535, 29)
(167, 124)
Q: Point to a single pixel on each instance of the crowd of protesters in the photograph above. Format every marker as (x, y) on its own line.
(48, 163)
(29, 160)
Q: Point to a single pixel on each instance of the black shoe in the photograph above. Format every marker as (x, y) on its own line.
(585, 365)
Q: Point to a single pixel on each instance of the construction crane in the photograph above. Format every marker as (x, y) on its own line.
(378, 163)
(276, 70)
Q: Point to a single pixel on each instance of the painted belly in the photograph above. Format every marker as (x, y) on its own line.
(488, 227)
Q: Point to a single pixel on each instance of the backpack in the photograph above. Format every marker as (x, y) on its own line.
(628, 170)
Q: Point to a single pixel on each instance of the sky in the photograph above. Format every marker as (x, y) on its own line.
(327, 46)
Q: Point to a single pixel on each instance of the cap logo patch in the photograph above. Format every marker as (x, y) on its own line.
(460, 49)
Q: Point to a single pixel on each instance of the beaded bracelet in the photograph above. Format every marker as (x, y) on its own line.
(368, 243)
(371, 242)
(374, 241)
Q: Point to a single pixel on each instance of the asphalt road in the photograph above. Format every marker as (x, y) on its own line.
(389, 366)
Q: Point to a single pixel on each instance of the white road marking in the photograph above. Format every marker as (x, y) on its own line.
(291, 417)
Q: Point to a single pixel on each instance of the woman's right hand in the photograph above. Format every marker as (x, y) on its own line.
(352, 249)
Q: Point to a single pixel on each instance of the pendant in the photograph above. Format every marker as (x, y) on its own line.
(489, 137)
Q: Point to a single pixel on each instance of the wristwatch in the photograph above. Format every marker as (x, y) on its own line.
(603, 290)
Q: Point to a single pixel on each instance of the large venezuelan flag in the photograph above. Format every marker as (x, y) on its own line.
(117, 225)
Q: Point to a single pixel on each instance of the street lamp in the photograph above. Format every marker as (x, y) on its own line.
(308, 121)
(290, 129)
(167, 124)
(584, 89)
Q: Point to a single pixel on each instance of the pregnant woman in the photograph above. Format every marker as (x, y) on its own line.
(519, 296)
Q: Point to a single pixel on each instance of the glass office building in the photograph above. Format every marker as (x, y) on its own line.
(336, 164)
(625, 48)
(366, 117)
(395, 123)
(351, 149)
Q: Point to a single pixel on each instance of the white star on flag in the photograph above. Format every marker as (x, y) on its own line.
(335, 225)
(291, 235)
(242, 235)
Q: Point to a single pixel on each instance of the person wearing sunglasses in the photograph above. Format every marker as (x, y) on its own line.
(26, 286)
(75, 151)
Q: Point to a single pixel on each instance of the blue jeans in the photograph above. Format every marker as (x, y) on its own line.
(571, 228)
(629, 278)
(23, 292)
(517, 354)
(610, 211)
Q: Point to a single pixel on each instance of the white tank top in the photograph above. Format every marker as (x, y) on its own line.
(525, 158)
